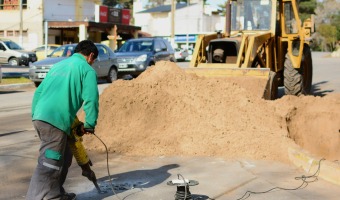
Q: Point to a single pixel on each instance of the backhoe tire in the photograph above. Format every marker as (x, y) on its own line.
(306, 69)
(298, 81)
(271, 90)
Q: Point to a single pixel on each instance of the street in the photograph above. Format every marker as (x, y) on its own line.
(146, 178)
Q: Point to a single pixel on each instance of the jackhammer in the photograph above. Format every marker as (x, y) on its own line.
(79, 152)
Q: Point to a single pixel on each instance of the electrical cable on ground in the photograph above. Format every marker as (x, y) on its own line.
(303, 178)
(107, 166)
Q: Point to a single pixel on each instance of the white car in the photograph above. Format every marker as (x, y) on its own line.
(181, 54)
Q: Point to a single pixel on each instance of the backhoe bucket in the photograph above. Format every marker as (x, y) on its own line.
(269, 77)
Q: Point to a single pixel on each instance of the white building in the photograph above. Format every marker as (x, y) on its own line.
(64, 21)
(190, 21)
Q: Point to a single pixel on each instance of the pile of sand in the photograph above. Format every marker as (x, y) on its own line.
(166, 111)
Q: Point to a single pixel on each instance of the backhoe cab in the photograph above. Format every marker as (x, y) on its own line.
(262, 38)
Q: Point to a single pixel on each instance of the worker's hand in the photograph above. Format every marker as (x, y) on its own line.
(80, 129)
(87, 172)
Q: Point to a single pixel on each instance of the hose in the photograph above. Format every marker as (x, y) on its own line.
(107, 166)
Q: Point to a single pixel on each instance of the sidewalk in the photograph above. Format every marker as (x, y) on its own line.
(15, 72)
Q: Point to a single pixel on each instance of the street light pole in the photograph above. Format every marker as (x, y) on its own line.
(173, 8)
(21, 24)
(187, 43)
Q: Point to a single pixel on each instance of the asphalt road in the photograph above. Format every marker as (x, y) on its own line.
(146, 178)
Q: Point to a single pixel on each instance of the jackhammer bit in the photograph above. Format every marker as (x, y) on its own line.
(88, 173)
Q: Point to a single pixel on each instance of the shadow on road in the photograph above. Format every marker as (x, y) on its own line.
(134, 181)
(317, 91)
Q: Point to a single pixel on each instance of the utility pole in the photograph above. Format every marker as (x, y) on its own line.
(187, 43)
(172, 37)
(21, 24)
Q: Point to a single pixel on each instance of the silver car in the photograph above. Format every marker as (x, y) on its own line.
(103, 65)
(13, 54)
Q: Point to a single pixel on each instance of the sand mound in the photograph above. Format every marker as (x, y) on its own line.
(166, 111)
(314, 124)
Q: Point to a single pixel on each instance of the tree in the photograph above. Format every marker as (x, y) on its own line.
(329, 34)
(306, 8)
(327, 22)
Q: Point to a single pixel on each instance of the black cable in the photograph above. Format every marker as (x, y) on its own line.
(107, 166)
(303, 178)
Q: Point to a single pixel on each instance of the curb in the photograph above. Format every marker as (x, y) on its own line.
(329, 171)
(17, 86)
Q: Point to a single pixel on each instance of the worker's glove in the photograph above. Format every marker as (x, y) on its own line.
(87, 172)
(80, 129)
(77, 127)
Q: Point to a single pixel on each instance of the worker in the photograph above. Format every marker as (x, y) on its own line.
(69, 85)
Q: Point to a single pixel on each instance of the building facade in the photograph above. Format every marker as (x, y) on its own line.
(59, 21)
(190, 21)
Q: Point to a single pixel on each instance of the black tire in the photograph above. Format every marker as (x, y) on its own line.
(13, 62)
(112, 76)
(272, 87)
(37, 84)
(306, 70)
(298, 81)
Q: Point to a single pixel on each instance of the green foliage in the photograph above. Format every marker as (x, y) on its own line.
(335, 21)
(111, 3)
(6, 81)
(327, 22)
(306, 8)
(329, 33)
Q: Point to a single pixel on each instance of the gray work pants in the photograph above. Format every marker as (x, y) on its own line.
(54, 160)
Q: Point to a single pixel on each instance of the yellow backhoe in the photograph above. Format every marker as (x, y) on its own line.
(262, 38)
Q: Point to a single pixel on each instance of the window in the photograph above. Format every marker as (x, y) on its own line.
(10, 33)
(290, 21)
(12, 4)
(2, 47)
(160, 45)
(102, 51)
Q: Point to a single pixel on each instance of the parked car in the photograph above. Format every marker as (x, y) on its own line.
(103, 65)
(137, 54)
(11, 53)
(41, 53)
(181, 54)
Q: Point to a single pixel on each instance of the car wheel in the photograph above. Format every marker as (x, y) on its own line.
(112, 76)
(37, 84)
(13, 62)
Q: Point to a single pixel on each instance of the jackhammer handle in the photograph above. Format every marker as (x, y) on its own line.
(89, 130)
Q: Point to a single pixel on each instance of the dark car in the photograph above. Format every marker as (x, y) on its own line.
(103, 65)
(135, 55)
(13, 54)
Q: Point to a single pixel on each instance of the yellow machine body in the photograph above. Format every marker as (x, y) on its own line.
(262, 38)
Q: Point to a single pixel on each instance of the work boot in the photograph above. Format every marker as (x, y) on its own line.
(68, 196)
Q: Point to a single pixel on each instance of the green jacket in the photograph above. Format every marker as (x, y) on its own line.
(69, 85)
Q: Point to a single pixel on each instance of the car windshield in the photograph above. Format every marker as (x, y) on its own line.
(12, 45)
(133, 46)
(63, 51)
(251, 15)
